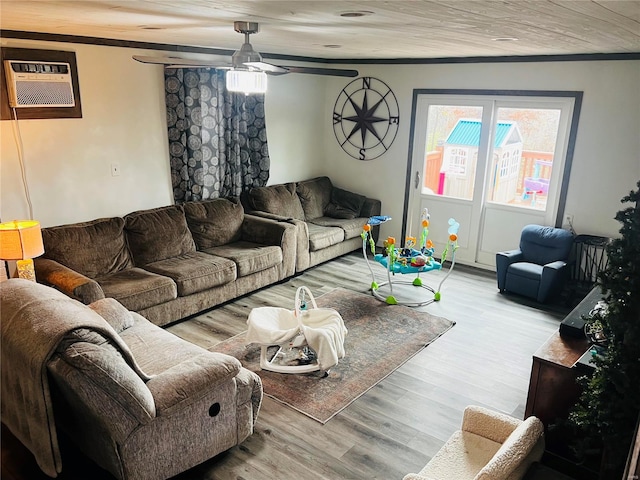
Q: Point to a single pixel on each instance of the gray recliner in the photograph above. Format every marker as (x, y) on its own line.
(538, 269)
(139, 401)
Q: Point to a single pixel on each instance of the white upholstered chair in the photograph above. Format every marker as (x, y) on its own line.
(489, 446)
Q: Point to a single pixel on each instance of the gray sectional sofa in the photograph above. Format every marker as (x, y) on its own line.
(139, 401)
(328, 219)
(170, 262)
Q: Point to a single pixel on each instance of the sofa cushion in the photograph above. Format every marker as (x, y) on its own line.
(214, 222)
(344, 204)
(91, 248)
(137, 289)
(249, 257)
(323, 237)
(526, 270)
(145, 340)
(196, 271)
(352, 227)
(315, 195)
(158, 234)
(277, 199)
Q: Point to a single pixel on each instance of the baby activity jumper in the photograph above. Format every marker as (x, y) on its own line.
(415, 258)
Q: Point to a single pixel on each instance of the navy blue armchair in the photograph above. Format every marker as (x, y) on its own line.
(538, 268)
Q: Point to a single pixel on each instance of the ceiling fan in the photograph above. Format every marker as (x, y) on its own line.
(245, 59)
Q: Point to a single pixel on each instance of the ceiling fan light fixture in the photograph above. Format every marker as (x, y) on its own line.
(246, 81)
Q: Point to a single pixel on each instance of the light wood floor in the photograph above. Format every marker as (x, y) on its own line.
(396, 426)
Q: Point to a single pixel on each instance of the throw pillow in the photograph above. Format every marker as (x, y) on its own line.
(278, 200)
(158, 234)
(344, 204)
(214, 222)
(315, 195)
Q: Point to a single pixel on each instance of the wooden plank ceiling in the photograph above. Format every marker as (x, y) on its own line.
(389, 29)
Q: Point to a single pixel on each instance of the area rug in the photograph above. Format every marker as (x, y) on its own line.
(381, 338)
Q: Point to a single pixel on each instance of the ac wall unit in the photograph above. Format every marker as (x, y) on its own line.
(39, 84)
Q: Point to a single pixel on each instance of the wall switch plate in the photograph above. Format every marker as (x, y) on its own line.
(115, 169)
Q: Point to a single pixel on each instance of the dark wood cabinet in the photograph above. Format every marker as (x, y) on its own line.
(553, 390)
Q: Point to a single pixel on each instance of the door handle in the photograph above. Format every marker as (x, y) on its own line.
(417, 180)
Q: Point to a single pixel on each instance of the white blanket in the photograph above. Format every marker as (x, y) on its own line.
(323, 329)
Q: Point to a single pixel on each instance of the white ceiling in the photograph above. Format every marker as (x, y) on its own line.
(314, 28)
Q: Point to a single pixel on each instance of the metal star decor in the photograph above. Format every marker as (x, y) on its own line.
(377, 125)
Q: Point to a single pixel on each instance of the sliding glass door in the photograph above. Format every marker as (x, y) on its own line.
(493, 162)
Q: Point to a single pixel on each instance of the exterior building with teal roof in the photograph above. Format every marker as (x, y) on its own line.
(460, 156)
(467, 132)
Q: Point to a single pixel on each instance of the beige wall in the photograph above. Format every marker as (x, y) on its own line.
(606, 162)
(68, 161)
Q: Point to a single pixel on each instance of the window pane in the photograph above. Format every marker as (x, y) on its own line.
(523, 151)
(453, 137)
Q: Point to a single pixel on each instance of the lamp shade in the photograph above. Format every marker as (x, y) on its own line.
(246, 81)
(20, 240)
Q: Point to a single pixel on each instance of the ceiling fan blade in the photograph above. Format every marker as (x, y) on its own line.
(335, 72)
(267, 67)
(178, 62)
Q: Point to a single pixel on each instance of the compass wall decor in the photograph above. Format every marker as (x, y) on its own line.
(366, 118)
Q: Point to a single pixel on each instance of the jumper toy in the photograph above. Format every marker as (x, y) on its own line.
(413, 258)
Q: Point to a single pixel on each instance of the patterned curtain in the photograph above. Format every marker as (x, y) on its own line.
(217, 139)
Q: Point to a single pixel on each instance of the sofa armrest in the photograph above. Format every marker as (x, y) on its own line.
(83, 400)
(503, 260)
(68, 281)
(189, 381)
(371, 207)
(270, 232)
(263, 230)
(555, 266)
(489, 424)
(523, 446)
(270, 216)
(553, 276)
(302, 237)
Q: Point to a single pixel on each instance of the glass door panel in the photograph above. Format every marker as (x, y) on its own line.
(451, 153)
(522, 157)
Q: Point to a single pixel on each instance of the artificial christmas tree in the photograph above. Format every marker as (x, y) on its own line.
(606, 415)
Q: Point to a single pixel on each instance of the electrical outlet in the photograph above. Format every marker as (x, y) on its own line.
(568, 220)
(115, 169)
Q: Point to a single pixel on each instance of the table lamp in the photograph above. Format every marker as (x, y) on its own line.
(21, 240)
